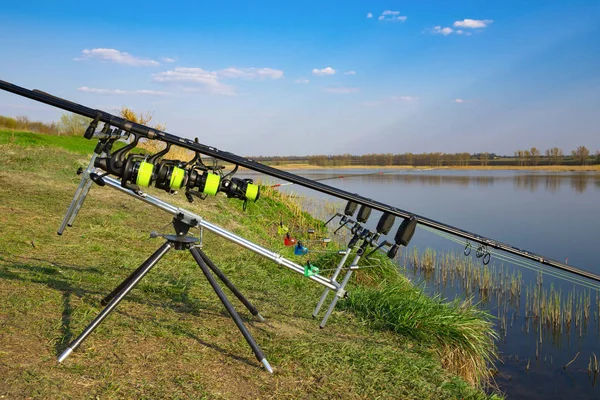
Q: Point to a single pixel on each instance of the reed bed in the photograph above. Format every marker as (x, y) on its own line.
(547, 311)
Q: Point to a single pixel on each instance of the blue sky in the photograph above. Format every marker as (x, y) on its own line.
(275, 77)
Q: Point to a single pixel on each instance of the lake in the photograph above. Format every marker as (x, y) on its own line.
(553, 214)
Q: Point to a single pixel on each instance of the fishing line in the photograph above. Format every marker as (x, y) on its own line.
(520, 262)
(531, 266)
(331, 178)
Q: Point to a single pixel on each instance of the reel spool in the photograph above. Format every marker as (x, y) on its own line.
(137, 171)
(243, 189)
(203, 183)
(170, 177)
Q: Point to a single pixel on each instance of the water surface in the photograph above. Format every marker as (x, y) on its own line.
(553, 214)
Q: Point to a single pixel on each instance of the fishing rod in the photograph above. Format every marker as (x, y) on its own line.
(151, 133)
(330, 178)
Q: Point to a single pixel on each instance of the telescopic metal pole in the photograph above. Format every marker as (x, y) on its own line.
(149, 263)
(341, 292)
(234, 315)
(333, 280)
(253, 310)
(82, 190)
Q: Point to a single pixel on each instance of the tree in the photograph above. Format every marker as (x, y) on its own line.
(484, 157)
(141, 118)
(535, 155)
(554, 155)
(581, 154)
(527, 154)
(597, 156)
(73, 124)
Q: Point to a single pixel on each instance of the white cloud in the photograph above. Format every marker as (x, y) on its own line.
(459, 32)
(391, 99)
(438, 30)
(168, 59)
(208, 80)
(116, 56)
(403, 98)
(350, 73)
(459, 101)
(302, 80)
(324, 71)
(370, 15)
(343, 90)
(472, 23)
(250, 73)
(389, 15)
(119, 91)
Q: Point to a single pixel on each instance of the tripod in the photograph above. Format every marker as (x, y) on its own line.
(179, 241)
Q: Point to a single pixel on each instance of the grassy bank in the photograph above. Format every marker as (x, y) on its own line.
(171, 338)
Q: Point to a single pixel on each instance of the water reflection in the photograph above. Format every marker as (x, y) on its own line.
(531, 182)
(552, 182)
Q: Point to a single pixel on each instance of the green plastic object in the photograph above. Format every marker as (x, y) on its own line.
(252, 192)
(310, 269)
(177, 178)
(212, 184)
(144, 174)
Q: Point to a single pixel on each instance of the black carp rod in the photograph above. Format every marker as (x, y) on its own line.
(150, 133)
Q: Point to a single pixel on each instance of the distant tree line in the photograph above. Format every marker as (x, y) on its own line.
(555, 156)
(74, 124)
(530, 157)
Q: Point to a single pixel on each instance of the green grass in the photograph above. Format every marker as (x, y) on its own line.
(76, 144)
(171, 338)
(462, 336)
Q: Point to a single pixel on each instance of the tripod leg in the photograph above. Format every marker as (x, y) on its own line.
(234, 315)
(149, 263)
(80, 193)
(333, 278)
(253, 310)
(338, 294)
(118, 289)
(84, 194)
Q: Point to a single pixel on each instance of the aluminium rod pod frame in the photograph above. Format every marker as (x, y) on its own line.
(178, 241)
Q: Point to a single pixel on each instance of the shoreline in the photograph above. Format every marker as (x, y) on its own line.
(548, 168)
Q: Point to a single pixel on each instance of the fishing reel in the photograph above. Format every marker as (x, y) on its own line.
(170, 176)
(140, 170)
(203, 181)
